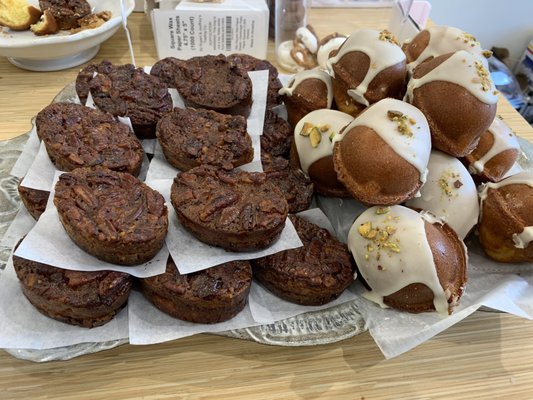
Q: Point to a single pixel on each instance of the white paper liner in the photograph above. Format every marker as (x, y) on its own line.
(256, 118)
(191, 255)
(29, 152)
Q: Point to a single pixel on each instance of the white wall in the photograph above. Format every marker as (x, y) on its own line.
(504, 23)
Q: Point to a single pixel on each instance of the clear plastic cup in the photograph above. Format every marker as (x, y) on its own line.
(289, 16)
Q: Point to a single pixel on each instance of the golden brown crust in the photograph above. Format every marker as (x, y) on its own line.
(47, 25)
(419, 43)
(18, 15)
(311, 94)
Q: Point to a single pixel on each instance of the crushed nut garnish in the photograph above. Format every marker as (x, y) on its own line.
(483, 75)
(403, 121)
(457, 184)
(382, 239)
(315, 137)
(382, 210)
(449, 181)
(331, 136)
(306, 129)
(487, 53)
(324, 128)
(387, 36)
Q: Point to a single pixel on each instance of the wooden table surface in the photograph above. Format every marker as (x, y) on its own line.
(486, 356)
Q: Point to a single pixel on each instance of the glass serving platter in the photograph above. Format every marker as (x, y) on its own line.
(313, 328)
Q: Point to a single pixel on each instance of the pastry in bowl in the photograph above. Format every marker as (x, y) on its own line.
(506, 219)
(495, 154)
(410, 261)
(381, 157)
(369, 66)
(458, 97)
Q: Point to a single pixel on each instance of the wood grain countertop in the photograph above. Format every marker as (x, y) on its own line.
(486, 356)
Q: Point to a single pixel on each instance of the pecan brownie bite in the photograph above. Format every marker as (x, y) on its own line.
(277, 135)
(314, 274)
(77, 136)
(82, 298)
(213, 295)
(66, 12)
(232, 209)
(34, 200)
(111, 215)
(190, 138)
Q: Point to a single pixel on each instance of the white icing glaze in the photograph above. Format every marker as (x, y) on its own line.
(325, 49)
(412, 262)
(314, 73)
(309, 154)
(457, 206)
(382, 54)
(309, 40)
(525, 178)
(285, 59)
(415, 149)
(447, 39)
(504, 139)
(460, 69)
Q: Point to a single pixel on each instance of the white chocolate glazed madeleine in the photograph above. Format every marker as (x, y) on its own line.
(411, 261)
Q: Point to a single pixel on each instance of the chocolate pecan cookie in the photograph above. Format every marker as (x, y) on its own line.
(111, 215)
(34, 200)
(314, 274)
(248, 63)
(86, 299)
(66, 12)
(277, 135)
(232, 209)
(295, 186)
(84, 77)
(210, 82)
(127, 91)
(77, 136)
(210, 296)
(192, 137)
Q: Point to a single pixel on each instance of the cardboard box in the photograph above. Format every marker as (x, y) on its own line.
(185, 29)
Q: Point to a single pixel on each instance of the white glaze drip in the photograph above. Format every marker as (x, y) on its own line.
(457, 206)
(504, 139)
(522, 240)
(447, 39)
(309, 154)
(314, 73)
(410, 261)
(382, 53)
(460, 68)
(325, 49)
(415, 149)
(309, 40)
(284, 57)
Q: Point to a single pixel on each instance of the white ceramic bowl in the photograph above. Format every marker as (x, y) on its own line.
(62, 50)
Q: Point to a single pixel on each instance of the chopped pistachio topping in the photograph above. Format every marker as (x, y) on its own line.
(484, 76)
(382, 210)
(487, 53)
(306, 129)
(324, 128)
(387, 36)
(382, 239)
(403, 121)
(331, 136)
(468, 38)
(449, 182)
(315, 137)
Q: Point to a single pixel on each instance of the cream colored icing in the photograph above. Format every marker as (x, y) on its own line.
(525, 237)
(309, 40)
(415, 148)
(382, 53)
(325, 49)
(462, 70)
(284, 57)
(306, 152)
(449, 193)
(403, 258)
(314, 73)
(447, 39)
(504, 139)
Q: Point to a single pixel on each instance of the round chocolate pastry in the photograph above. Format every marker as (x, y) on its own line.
(249, 63)
(191, 137)
(495, 154)
(313, 149)
(411, 261)
(312, 275)
(458, 97)
(84, 77)
(127, 91)
(368, 67)
(438, 40)
(232, 209)
(212, 82)
(326, 46)
(213, 295)
(66, 12)
(76, 136)
(167, 70)
(449, 193)
(381, 157)
(307, 91)
(34, 200)
(506, 221)
(111, 215)
(86, 299)
(277, 135)
(295, 186)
